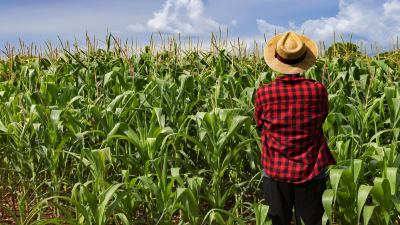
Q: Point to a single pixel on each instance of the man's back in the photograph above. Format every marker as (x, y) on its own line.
(291, 111)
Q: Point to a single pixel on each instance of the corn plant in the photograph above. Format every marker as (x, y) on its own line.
(164, 134)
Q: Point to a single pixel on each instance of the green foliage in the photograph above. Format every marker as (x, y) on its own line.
(100, 136)
(344, 50)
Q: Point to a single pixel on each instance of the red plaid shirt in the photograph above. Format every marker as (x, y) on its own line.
(290, 111)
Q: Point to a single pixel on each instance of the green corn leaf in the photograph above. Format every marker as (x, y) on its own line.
(371, 109)
(380, 192)
(3, 128)
(335, 176)
(180, 192)
(104, 154)
(107, 77)
(114, 130)
(80, 209)
(114, 204)
(378, 134)
(325, 219)
(327, 200)
(175, 172)
(358, 168)
(22, 208)
(160, 117)
(195, 184)
(396, 107)
(101, 211)
(367, 213)
(216, 216)
(234, 125)
(55, 116)
(392, 178)
(396, 202)
(122, 217)
(188, 198)
(382, 64)
(362, 196)
(186, 85)
(261, 213)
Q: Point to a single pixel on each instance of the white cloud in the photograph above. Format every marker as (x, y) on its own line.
(367, 20)
(137, 27)
(179, 16)
(234, 22)
(269, 29)
(392, 8)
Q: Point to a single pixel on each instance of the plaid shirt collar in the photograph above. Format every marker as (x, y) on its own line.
(290, 77)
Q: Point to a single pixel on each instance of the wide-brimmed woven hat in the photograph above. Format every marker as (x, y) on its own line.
(290, 53)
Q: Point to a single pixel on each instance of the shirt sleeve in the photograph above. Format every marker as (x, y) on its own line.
(258, 111)
(325, 102)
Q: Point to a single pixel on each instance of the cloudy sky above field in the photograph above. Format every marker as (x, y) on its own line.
(370, 21)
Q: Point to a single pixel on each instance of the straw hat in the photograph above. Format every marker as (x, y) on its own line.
(290, 53)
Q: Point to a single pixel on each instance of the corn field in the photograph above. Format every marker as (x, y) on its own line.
(122, 135)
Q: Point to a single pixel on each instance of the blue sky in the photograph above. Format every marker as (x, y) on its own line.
(369, 21)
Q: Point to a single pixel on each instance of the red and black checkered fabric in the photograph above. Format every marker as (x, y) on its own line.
(290, 111)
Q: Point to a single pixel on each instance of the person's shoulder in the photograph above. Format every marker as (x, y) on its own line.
(263, 88)
(320, 88)
(316, 83)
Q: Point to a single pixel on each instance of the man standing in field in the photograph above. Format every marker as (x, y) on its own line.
(290, 112)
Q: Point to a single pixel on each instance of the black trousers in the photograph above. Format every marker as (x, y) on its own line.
(306, 199)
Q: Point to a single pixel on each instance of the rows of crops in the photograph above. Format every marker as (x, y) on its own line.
(103, 136)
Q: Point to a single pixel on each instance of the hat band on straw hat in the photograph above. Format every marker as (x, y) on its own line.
(290, 61)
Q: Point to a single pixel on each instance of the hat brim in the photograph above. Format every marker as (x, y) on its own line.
(275, 64)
